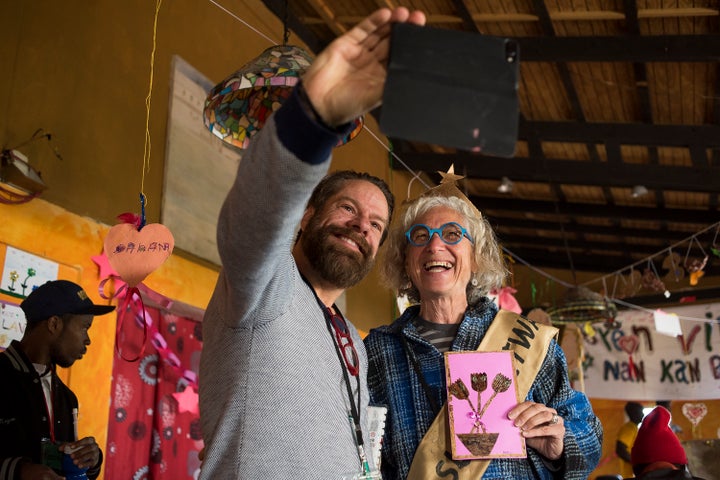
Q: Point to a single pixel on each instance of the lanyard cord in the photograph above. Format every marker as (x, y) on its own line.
(419, 373)
(354, 411)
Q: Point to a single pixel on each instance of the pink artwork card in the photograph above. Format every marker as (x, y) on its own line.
(481, 392)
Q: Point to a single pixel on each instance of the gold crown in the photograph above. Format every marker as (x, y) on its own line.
(448, 188)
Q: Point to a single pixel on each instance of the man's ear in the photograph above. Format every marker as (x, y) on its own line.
(309, 212)
(55, 324)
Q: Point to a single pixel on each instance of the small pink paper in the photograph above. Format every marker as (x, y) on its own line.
(481, 391)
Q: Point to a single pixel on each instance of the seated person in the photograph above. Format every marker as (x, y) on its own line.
(626, 436)
(657, 453)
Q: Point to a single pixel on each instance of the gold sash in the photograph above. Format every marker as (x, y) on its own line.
(508, 331)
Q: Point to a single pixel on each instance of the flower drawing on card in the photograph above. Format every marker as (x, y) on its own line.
(478, 415)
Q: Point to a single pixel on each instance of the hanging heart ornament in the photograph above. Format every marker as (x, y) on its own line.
(694, 412)
(135, 254)
(629, 343)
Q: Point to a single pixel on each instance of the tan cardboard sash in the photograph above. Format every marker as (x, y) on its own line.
(508, 331)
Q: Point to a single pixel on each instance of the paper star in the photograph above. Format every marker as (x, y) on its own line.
(105, 269)
(450, 175)
(187, 400)
(106, 273)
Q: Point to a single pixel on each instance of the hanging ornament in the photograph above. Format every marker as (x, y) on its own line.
(631, 283)
(134, 250)
(538, 315)
(238, 107)
(650, 281)
(673, 264)
(108, 276)
(694, 412)
(629, 344)
(506, 300)
(695, 265)
(580, 305)
(715, 248)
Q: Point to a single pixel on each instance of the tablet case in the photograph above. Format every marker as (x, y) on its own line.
(452, 88)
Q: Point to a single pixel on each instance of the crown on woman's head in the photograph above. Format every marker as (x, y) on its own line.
(448, 188)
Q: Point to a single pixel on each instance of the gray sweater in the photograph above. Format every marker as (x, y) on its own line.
(273, 402)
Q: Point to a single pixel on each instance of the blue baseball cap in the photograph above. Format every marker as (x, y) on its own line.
(60, 297)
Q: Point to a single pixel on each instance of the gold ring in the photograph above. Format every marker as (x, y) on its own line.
(555, 419)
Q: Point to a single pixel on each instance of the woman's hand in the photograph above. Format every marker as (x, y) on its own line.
(542, 427)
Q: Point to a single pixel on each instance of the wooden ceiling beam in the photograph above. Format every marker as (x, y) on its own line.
(658, 135)
(557, 16)
(577, 244)
(570, 172)
(505, 223)
(296, 24)
(494, 205)
(326, 13)
(614, 135)
(542, 258)
(621, 48)
(465, 15)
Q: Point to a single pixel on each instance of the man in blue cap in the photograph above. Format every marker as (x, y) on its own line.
(38, 413)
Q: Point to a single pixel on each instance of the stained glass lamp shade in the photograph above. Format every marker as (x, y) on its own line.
(238, 107)
(583, 305)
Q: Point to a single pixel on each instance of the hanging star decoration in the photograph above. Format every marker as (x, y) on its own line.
(106, 275)
(187, 400)
(450, 175)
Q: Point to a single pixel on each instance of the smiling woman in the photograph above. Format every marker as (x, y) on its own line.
(443, 255)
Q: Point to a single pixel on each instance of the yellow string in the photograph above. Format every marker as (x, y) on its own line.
(146, 151)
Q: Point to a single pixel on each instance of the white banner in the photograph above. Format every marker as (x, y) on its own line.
(636, 362)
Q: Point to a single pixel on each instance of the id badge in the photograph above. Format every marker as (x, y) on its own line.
(368, 476)
(374, 475)
(51, 455)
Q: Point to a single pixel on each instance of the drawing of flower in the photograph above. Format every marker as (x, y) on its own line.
(13, 278)
(479, 443)
(30, 273)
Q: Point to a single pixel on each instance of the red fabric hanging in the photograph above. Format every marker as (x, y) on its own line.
(150, 434)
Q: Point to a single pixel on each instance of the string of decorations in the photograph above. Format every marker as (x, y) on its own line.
(672, 262)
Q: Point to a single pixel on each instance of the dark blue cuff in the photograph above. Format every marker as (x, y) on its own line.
(303, 134)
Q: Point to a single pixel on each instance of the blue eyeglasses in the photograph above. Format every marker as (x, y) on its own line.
(451, 233)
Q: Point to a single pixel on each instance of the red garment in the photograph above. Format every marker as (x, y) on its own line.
(149, 436)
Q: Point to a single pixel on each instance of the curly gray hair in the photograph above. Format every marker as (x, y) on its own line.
(491, 267)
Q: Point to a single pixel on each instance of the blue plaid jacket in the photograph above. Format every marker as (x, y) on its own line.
(393, 382)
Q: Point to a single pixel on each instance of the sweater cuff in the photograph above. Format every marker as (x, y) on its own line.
(302, 131)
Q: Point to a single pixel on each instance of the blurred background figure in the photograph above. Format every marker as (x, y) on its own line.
(626, 436)
(657, 453)
(673, 426)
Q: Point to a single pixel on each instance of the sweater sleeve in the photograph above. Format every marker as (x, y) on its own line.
(258, 220)
(583, 431)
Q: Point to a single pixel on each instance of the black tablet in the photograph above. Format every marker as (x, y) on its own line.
(452, 88)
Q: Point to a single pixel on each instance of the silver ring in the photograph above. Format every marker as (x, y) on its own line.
(555, 419)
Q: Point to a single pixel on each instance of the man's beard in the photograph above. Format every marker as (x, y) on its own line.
(336, 265)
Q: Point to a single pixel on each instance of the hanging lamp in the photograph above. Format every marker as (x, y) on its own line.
(581, 305)
(238, 107)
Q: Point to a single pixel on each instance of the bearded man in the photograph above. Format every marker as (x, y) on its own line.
(283, 390)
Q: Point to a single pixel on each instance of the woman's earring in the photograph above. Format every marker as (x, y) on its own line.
(474, 282)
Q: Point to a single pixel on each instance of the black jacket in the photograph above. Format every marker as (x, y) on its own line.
(23, 415)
